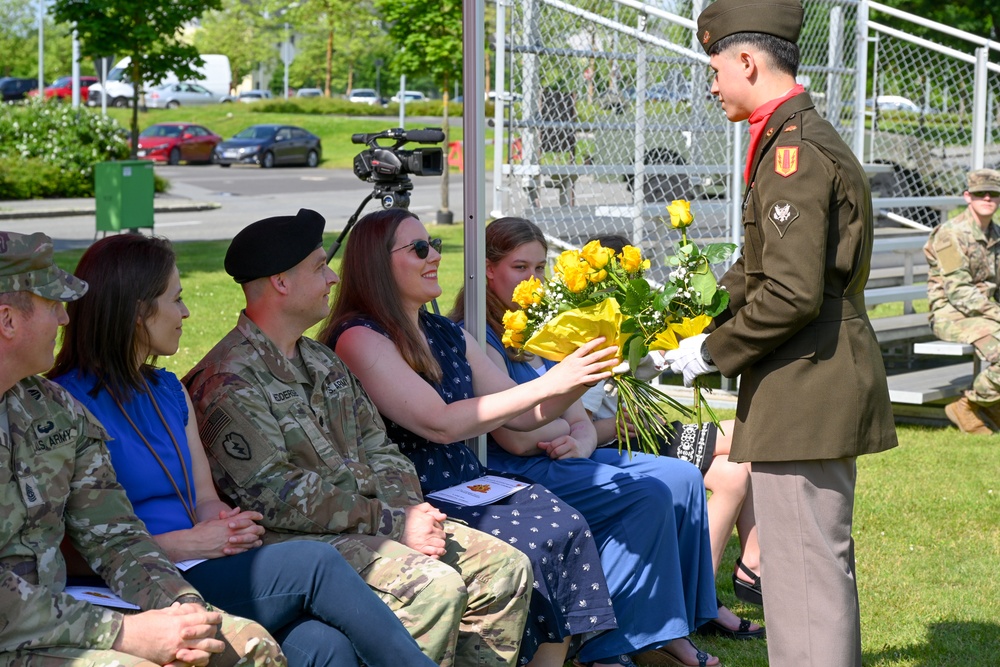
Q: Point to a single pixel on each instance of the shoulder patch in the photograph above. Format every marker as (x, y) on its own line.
(236, 446)
(786, 160)
(781, 215)
(949, 258)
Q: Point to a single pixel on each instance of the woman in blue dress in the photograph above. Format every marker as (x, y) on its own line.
(390, 266)
(567, 457)
(303, 592)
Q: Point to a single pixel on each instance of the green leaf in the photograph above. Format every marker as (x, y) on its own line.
(706, 286)
(719, 252)
(720, 302)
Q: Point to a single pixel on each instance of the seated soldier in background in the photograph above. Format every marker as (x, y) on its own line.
(291, 434)
(56, 480)
(963, 257)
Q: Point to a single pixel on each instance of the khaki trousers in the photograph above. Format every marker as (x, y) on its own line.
(804, 512)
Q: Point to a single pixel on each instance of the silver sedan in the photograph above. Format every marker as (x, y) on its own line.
(173, 95)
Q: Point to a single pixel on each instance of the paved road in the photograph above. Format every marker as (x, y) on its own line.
(245, 194)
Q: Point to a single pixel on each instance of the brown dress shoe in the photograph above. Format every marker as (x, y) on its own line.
(965, 415)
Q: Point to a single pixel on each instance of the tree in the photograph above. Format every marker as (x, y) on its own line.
(980, 17)
(239, 30)
(148, 31)
(429, 34)
(339, 34)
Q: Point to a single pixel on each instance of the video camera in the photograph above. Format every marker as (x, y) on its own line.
(388, 167)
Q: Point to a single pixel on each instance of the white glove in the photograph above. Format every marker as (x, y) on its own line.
(688, 361)
(651, 365)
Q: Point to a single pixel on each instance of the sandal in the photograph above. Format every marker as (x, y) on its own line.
(661, 656)
(714, 627)
(624, 660)
(748, 592)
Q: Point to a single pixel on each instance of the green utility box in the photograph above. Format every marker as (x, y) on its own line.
(124, 194)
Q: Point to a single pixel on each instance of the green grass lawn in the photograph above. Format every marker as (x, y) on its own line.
(927, 517)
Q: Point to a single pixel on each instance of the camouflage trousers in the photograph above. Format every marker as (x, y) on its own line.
(467, 608)
(247, 645)
(985, 335)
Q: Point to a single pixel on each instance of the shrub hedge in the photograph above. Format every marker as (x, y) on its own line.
(49, 150)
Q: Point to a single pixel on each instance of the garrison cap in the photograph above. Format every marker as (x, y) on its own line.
(273, 245)
(984, 180)
(26, 266)
(781, 18)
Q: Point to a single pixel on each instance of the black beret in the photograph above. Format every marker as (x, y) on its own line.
(781, 18)
(273, 245)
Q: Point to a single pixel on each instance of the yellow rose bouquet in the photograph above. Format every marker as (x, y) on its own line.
(596, 292)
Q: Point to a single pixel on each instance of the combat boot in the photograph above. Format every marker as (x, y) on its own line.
(965, 415)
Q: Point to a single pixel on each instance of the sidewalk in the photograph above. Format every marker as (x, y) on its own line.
(27, 209)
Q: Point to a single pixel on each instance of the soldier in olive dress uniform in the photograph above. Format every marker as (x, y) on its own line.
(813, 392)
(963, 267)
(56, 481)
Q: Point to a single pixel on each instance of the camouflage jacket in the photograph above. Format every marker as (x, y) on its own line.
(963, 266)
(56, 479)
(309, 453)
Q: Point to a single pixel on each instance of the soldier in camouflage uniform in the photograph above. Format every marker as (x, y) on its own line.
(291, 434)
(963, 258)
(56, 480)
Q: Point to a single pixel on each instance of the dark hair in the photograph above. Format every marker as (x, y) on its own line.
(367, 289)
(614, 241)
(126, 273)
(782, 54)
(503, 236)
(20, 301)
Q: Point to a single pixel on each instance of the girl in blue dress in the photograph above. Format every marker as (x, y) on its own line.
(303, 592)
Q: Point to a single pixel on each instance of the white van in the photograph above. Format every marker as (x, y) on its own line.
(216, 75)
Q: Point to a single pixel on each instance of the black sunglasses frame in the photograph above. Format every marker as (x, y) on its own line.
(422, 248)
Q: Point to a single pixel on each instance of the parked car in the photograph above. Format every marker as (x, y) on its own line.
(270, 145)
(411, 96)
(897, 103)
(363, 96)
(176, 142)
(14, 89)
(254, 95)
(62, 88)
(187, 94)
(309, 92)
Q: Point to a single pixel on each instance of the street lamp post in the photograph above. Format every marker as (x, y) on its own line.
(378, 79)
(41, 48)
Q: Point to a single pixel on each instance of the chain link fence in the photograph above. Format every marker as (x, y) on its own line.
(607, 117)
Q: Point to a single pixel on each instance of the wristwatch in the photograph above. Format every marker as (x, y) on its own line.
(706, 356)
(191, 598)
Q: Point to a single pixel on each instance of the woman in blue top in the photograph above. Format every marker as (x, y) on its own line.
(303, 592)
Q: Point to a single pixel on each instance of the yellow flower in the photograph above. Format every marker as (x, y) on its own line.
(680, 213)
(568, 259)
(575, 277)
(631, 259)
(515, 320)
(670, 338)
(528, 292)
(512, 339)
(597, 276)
(596, 255)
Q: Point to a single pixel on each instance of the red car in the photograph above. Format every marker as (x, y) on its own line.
(174, 142)
(62, 88)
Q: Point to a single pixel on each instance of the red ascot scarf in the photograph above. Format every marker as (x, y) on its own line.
(758, 119)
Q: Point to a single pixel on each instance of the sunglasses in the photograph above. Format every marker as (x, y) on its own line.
(422, 247)
(991, 193)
